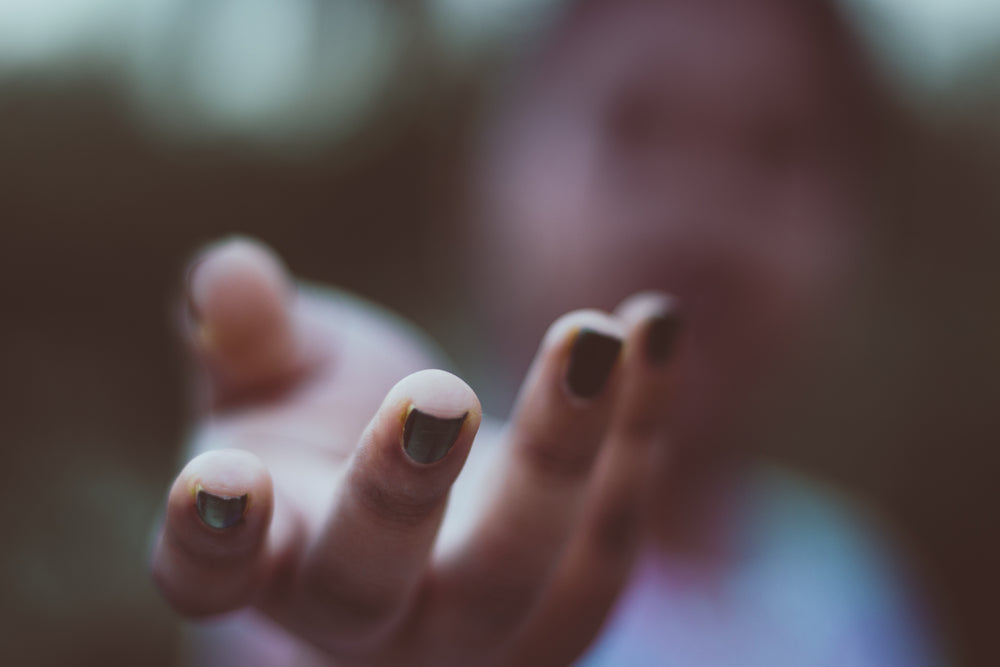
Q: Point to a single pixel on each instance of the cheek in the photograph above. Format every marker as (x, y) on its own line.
(814, 246)
(789, 281)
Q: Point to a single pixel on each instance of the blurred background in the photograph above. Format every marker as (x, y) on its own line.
(339, 131)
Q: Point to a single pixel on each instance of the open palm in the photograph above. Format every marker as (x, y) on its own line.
(326, 461)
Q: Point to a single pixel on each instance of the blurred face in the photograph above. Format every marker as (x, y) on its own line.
(692, 147)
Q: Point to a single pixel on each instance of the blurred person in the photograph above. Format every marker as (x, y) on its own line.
(717, 150)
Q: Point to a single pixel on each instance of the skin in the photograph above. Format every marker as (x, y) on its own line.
(337, 543)
(715, 165)
(715, 150)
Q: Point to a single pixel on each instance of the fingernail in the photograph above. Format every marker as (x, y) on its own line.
(427, 438)
(591, 361)
(220, 511)
(661, 334)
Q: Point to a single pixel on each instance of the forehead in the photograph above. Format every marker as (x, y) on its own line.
(714, 52)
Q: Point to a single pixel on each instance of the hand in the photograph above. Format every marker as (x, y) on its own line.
(326, 518)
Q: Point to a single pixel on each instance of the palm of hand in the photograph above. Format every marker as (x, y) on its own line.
(327, 519)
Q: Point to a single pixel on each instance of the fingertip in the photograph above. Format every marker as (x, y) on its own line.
(226, 472)
(236, 282)
(436, 410)
(583, 348)
(654, 321)
(643, 305)
(565, 328)
(207, 558)
(221, 502)
(437, 392)
(240, 324)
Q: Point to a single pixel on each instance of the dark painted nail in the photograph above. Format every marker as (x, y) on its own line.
(220, 511)
(427, 438)
(661, 334)
(591, 361)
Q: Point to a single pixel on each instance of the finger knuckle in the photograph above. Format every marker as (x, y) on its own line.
(641, 429)
(556, 459)
(352, 609)
(615, 529)
(397, 504)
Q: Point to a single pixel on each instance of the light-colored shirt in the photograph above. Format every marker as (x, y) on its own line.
(811, 583)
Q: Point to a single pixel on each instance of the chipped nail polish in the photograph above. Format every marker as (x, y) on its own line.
(220, 511)
(427, 438)
(591, 361)
(661, 334)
